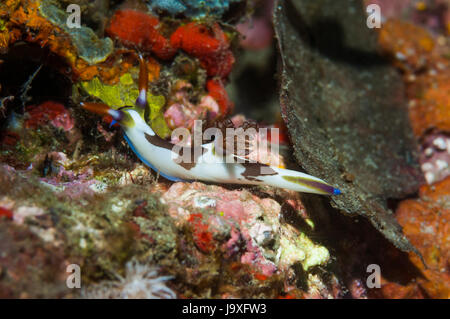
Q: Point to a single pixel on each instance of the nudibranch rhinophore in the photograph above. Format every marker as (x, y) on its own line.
(206, 165)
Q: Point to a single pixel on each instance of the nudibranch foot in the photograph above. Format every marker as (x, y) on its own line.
(143, 160)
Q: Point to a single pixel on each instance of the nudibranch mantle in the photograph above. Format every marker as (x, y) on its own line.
(163, 156)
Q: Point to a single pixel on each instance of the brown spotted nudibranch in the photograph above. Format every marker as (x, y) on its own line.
(205, 164)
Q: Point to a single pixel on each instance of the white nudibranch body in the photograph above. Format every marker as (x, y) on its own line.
(164, 157)
(202, 162)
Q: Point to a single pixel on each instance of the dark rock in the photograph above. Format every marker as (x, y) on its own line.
(345, 110)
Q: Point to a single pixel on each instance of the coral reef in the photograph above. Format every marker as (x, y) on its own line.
(200, 226)
(26, 14)
(367, 110)
(49, 111)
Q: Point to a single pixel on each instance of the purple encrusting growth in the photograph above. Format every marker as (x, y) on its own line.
(435, 157)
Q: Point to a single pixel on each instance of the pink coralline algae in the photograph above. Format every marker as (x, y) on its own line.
(257, 34)
(67, 183)
(242, 227)
(235, 218)
(435, 157)
(257, 31)
(358, 289)
(49, 112)
(182, 112)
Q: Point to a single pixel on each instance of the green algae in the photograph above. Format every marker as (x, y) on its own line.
(125, 93)
(3, 24)
(116, 96)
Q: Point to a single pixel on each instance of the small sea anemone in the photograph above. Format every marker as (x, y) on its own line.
(141, 282)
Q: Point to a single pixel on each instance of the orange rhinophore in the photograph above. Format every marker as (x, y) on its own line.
(97, 108)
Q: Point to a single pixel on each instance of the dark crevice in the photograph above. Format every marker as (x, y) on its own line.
(51, 81)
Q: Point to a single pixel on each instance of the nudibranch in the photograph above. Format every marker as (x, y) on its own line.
(207, 165)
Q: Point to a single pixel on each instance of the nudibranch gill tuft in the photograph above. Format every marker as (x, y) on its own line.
(205, 165)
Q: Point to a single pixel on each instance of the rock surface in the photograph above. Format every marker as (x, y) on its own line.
(344, 109)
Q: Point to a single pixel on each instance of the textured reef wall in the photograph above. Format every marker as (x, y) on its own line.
(367, 110)
(344, 109)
